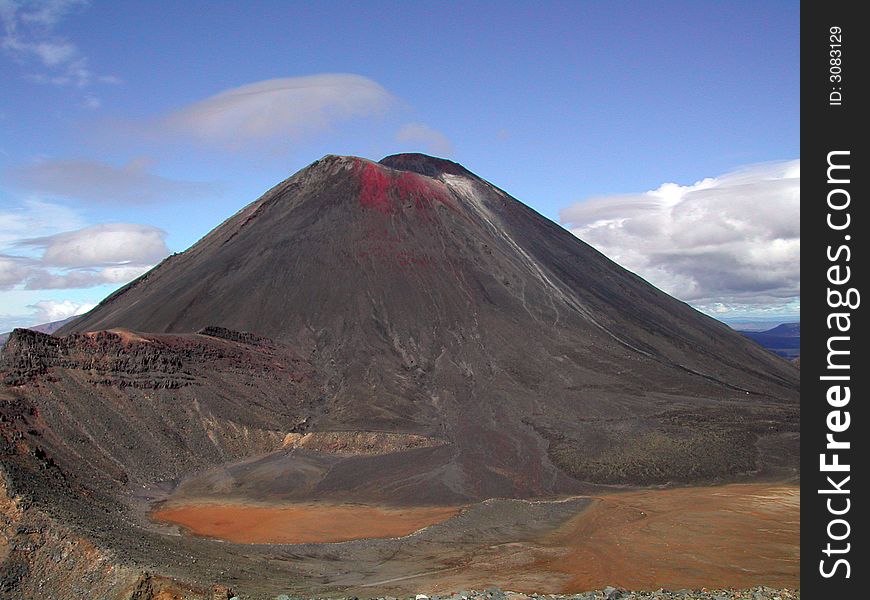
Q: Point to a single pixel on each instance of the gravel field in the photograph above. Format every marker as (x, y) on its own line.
(608, 593)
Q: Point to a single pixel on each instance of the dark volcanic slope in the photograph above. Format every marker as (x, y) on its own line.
(434, 303)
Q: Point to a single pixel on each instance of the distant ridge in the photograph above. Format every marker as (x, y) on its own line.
(42, 328)
(784, 339)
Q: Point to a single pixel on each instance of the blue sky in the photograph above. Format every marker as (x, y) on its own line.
(129, 129)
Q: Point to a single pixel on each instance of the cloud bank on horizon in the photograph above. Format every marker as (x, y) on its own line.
(728, 244)
(49, 311)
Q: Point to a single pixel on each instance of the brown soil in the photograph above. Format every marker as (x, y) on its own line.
(727, 536)
(300, 523)
(737, 536)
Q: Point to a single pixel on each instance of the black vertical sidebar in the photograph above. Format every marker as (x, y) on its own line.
(835, 423)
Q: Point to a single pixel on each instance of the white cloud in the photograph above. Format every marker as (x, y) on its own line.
(47, 311)
(43, 311)
(99, 182)
(47, 13)
(424, 138)
(29, 36)
(13, 270)
(44, 279)
(92, 102)
(54, 54)
(113, 253)
(102, 245)
(726, 243)
(35, 217)
(291, 107)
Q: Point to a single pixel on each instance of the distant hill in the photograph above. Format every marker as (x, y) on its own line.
(784, 339)
(42, 328)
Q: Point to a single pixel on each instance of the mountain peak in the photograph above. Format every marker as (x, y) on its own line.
(433, 304)
(423, 164)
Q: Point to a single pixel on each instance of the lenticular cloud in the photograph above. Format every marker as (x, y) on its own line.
(288, 107)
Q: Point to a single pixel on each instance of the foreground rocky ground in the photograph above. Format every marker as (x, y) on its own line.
(610, 593)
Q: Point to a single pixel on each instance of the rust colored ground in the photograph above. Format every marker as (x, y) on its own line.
(739, 536)
(726, 536)
(300, 523)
